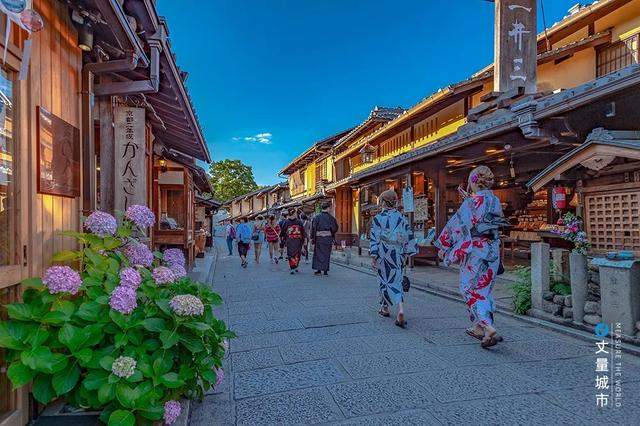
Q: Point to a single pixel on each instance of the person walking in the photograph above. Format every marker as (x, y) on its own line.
(230, 232)
(391, 244)
(283, 219)
(258, 238)
(292, 233)
(307, 231)
(322, 235)
(471, 239)
(243, 235)
(272, 235)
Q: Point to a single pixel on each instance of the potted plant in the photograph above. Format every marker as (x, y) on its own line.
(573, 231)
(127, 334)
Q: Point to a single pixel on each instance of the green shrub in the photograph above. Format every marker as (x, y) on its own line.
(522, 290)
(69, 340)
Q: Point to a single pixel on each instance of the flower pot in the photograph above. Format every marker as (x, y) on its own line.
(579, 281)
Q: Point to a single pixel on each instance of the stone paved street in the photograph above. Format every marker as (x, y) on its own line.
(313, 350)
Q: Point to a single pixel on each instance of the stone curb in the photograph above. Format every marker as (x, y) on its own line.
(579, 334)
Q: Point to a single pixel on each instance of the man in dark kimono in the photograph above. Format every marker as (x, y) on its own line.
(323, 232)
(292, 233)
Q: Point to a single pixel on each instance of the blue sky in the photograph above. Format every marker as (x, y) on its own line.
(270, 77)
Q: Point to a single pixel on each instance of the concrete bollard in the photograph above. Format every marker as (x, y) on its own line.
(560, 260)
(620, 293)
(579, 280)
(539, 274)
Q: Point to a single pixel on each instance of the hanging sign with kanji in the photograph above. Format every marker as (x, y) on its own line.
(129, 170)
(515, 45)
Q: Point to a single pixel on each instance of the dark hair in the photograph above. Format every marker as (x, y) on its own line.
(244, 220)
(271, 217)
(259, 217)
(303, 216)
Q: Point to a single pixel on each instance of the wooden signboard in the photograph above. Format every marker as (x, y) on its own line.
(129, 170)
(58, 155)
(515, 47)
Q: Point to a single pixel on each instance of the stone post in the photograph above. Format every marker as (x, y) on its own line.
(560, 259)
(539, 274)
(620, 293)
(579, 281)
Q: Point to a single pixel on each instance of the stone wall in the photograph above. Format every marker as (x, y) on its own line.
(592, 310)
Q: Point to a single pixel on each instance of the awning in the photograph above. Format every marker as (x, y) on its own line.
(599, 149)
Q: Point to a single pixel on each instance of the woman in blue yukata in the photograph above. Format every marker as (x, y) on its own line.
(471, 239)
(391, 244)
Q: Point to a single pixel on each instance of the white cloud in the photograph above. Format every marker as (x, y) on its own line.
(263, 138)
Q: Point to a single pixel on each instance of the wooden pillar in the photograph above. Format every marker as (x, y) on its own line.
(440, 202)
(107, 152)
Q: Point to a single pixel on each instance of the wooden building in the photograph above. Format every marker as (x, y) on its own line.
(64, 115)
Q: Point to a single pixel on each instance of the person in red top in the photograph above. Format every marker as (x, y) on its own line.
(294, 237)
(272, 233)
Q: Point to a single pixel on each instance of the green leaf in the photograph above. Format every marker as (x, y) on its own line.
(95, 379)
(169, 338)
(65, 380)
(39, 358)
(154, 412)
(65, 306)
(154, 324)
(20, 374)
(95, 257)
(38, 337)
(162, 365)
(60, 361)
(200, 326)
(145, 368)
(42, 390)
(84, 355)
(126, 395)
(194, 344)
(111, 243)
(122, 418)
(135, 377)
(54, 317)
(19, 311)
(119, 319)
(106, 362)
(92, 334)
(121, 340)
(102, 300)
(66, 255)
(171, 380)
(74, 234)
(89, 311)
(32, 283)
(164, 307)
(12, 335)
(70, 336)
(209, 376)
(106, 393)
(151, 344)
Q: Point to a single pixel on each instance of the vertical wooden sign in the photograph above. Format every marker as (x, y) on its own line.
(515, 46)
(130, 174)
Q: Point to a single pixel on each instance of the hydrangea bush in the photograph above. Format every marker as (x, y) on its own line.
(573, 232)
(128, 334)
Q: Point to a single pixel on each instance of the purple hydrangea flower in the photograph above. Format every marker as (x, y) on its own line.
(225, 345)
(173, 257)
(140, 215)
(139, 254)
(178, 271)
(102, 224)
(131, 278)
(123, 299)
(172, 410)
(163, 275)
(187, 305)
(124, 366)
(61, 279)
(219, 376)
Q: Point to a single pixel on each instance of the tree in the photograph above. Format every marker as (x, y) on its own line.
(231, 178)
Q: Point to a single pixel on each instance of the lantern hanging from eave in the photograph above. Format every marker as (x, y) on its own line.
(367, 153)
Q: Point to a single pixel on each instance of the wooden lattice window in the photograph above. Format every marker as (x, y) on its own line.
(613, 221)
(616, 56)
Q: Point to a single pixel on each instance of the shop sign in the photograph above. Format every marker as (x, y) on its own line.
(407, 199)
(130, 155)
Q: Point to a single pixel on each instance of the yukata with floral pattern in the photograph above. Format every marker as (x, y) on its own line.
(391, 243)
(477, 255)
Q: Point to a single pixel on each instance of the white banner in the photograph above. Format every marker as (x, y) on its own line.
(130, 172)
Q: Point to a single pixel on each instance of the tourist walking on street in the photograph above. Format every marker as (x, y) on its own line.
(243, 235)
(230, 232)
(281, 223)
(322, 235)
(307, 231)
(471, 239)
(258, 238)
(391, 245)
(272, 234)
(293, 235)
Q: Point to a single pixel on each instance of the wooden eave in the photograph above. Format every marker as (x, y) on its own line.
(571, 49)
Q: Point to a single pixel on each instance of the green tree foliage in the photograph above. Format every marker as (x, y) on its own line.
(231, 178)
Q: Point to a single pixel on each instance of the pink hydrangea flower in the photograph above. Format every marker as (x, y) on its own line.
(123, 366)
(102, 224)
(187, 305)
(131, 278)
(172, 410)
(139, 254)
(61, 279)
(219, 376)
(173, 257)
(140, 215)
(163, 275)
(123, 299)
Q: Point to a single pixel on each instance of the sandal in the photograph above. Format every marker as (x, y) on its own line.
(489, 341)
(470, 332)
(384, 312)
(400, 321)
